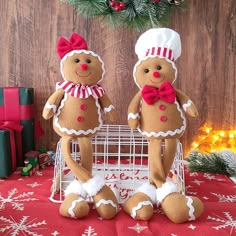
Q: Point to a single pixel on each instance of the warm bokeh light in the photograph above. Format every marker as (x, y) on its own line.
(210, 140)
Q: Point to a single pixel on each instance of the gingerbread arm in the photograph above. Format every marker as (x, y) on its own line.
(108, 108)
(133, 111)
(52, 104)
(186, 103)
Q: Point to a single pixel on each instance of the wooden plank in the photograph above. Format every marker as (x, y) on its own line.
(30, 29)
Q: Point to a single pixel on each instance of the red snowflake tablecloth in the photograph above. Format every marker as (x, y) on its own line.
(25, 209)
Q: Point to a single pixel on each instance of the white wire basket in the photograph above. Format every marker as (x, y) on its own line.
(120, 156)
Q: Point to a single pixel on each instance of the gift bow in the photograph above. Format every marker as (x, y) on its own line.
(76, 43)
(165, 92)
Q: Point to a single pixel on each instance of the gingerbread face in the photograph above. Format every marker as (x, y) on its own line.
(82, 68)
(154, 71)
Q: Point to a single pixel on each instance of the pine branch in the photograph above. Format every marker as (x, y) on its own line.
(207, 162)
(137, 14)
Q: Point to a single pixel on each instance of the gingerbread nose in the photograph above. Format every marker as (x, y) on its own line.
(156, 74)
(84, 66)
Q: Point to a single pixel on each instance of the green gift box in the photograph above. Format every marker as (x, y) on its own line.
(17, 106)
(6, 155)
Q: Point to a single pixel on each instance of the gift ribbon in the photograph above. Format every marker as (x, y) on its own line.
(12, 109)
(12, 126)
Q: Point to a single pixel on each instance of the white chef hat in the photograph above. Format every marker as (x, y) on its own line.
(161, 42)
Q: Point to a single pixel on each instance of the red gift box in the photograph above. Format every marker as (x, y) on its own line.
(17, 107)
(14, 130)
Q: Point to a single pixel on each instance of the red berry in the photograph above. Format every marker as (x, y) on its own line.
(117, 8)
(122, 5)
(113, 4)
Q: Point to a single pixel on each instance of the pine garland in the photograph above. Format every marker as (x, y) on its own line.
(223, 162)
(134, 15)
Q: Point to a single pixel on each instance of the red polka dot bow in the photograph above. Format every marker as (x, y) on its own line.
(165, 92)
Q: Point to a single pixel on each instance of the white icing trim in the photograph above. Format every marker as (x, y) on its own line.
(108, 109)
(76, 188)
(106, 202)
(169, 132)
(191, 208)
(133, 116)
(73, 205)
(94, 185)
(77, 132)
(51, 106)
(149, 190)
(81, 51)
(167, 188)
(139, 206)
(186, 105)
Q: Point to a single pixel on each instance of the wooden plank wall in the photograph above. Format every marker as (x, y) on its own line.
(29, 30)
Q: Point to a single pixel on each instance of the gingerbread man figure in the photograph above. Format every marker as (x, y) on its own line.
(157, 111)
(77, 107)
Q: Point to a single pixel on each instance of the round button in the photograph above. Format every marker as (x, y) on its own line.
(80, 118)
(83, 107)
(163, 118)
(162, 107)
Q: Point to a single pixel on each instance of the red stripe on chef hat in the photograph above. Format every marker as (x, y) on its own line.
(162, 52)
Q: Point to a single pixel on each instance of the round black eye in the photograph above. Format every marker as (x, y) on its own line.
(76, 60)
(88, 61)
(159, 67)
(146, 70)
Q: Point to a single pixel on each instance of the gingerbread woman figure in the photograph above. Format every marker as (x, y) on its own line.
(77, 107)
(157, 111)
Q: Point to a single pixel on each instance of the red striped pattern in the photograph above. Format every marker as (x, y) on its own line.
(81, 91)
(160, 51)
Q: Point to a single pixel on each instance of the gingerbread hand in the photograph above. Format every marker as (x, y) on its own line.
(133, 120)
(111, 114)
(190, 109)
(52, 104)
(49, 110)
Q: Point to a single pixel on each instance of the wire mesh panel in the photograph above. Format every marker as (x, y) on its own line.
(120, 156)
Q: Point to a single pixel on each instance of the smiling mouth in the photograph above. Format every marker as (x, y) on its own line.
(83, 76)
(157, 81)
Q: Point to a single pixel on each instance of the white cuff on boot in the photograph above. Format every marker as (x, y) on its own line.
(167, 188)
(76, 188)
(94, 185)
(149, 190)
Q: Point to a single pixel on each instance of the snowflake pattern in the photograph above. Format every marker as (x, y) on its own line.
(11, 227)
(198, 182)
(33, 185)
(212, 177)
(15, 201)
(226, 222)
(89, 232)
(138, 228)
(225, 198)
(190, 192)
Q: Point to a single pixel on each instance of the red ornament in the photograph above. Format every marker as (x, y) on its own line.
(156, 1)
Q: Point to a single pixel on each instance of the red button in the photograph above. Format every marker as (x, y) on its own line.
(80, 118)
(163, 118)
(83, 107)
(162, 107)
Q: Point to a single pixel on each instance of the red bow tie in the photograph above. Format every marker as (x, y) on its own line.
(165, 92)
